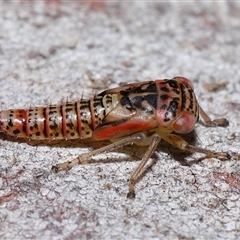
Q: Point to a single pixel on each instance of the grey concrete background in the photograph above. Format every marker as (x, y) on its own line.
(51, 52)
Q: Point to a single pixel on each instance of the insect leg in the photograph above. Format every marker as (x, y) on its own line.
(222, 122)
(182, 144)
(86, 157)
(137, 173)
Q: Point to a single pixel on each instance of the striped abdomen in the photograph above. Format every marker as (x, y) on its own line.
(69, 120)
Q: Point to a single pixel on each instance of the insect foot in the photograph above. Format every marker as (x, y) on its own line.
(54, 169)
(131, 194)
(57, 168)
(82, 159)
(222, 155)
(219, 122)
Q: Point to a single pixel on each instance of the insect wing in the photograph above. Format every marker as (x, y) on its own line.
(123, 121)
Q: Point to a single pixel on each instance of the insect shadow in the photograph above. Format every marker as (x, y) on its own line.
(130, 153)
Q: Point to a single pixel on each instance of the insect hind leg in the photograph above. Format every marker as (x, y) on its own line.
(85, 158)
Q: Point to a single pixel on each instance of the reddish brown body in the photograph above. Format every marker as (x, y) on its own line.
(164, 104)
(141, 113)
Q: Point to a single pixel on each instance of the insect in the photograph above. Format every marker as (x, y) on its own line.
(140, 113)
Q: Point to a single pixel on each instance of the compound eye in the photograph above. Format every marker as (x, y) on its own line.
(185, 123)
(184, 81)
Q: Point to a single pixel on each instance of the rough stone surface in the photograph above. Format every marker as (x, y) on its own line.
(51, 51)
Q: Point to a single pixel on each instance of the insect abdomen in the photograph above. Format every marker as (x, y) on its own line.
(66, 121)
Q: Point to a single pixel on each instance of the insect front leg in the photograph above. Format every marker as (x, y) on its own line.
(222, 122)
(86, 157)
